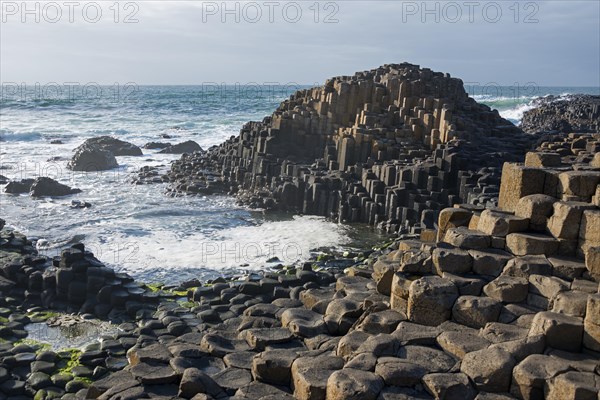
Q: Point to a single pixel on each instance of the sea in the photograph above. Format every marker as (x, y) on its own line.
(140, 230)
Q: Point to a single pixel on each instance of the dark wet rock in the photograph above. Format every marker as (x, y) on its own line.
(42, 366)
(575, 113)
(3, 374)
(75, 386)
(44, 186)
(24, 358)
(5, 284)
(184, 147)
(156, 145)
(80, 204)
(150, 174)
(61, 380)
(89, 158)
(116, 363)
(115, 146)
(13, 387)
(18, 187)
(39, 380)
(47, 355)
(82, 371)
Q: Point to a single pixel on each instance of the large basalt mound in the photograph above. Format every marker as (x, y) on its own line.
(379, 147)
(577, 113)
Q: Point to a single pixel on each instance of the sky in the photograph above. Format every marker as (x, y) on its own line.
(548, 43)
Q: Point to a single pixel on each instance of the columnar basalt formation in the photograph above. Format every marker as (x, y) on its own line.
(74, 282)
(379, 147)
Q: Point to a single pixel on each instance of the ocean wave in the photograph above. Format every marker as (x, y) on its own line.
(7, 135)
(513, 108)
(515, 115)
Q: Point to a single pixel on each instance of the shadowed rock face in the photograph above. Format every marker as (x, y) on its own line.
(379, 147)
(578, 113)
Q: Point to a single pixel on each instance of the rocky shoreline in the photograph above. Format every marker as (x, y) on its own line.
(499, 307)
(489, 291)
(575, 113)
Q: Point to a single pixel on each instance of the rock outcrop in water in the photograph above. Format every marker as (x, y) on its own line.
(188, 146)
(116, 146)
(390, 147)
(573, 113)
(98, 154)
(44, 186)
(40, 187)
(89, 158)
(19, 187)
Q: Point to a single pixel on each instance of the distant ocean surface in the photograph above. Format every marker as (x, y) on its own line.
(136, 228)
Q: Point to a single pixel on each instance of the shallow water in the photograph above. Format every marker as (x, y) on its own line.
(77, 336)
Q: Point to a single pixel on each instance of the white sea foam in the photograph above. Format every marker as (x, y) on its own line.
(247, 247)
(515, 115)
